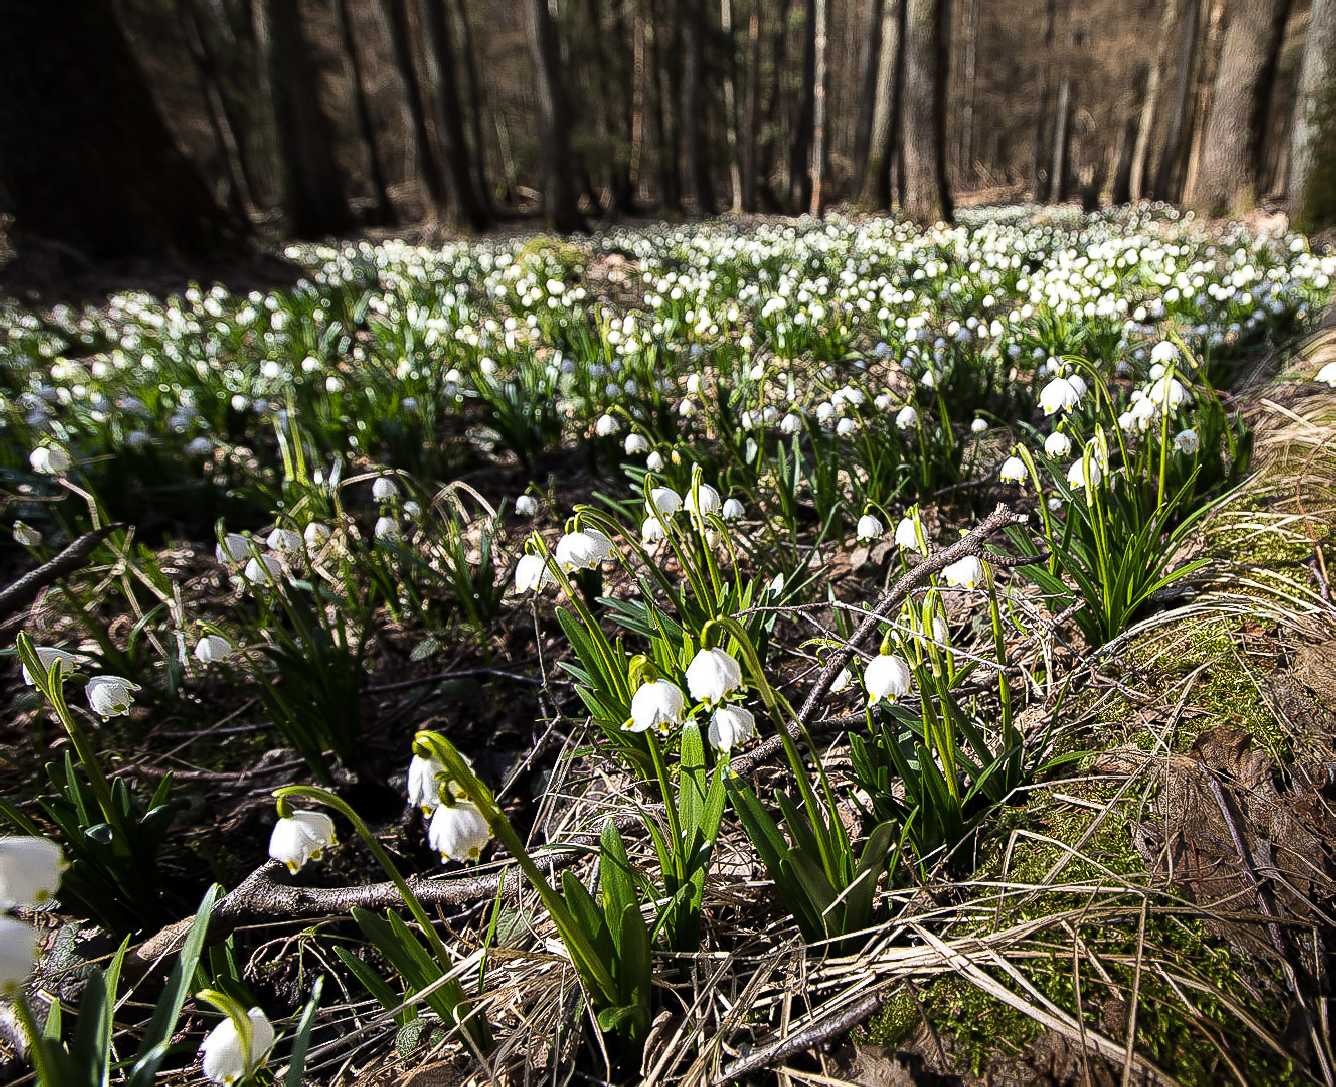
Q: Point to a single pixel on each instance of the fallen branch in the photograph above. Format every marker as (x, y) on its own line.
(261, 895)
(800, 1041)
(24, 591)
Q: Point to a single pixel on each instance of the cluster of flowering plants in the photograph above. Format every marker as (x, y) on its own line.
(663, 560)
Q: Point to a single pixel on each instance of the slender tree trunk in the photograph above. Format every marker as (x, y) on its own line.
(223, 137)
(817, 169)
(731, 103)
(1312, 180)
(314, 198)
(451, 115)
(968, 91)
(85, 156)
(429, 167)
(882, 140)
(1138, 168)
(1126, 152)
(665, 162)
(1057, 174)
(626, 91)
(560, 202)
(379, 186)
(1227, 183)
(693, 108)
(775, 111)
(927, 197)
(1168, 167)
(870, 66)
(800, 149)
(752, 145)
(1042, 182)
(477, 91)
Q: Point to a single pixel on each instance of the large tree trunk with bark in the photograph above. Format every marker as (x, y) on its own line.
(428, 164)
(869, 59)
(693, 108)
(1227, 181)
(752, 141)
(85, 156)
(477, 92)
(1313, 142)
(560, 201)
(313, 195)
(800, 147)
(1165, 177)
(451, 115)
(817, 169)
(385, 214)
(882, 140)
(927, 198)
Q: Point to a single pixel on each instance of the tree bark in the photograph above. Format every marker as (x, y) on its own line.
(752, 144)
(731, 104)
(693, 108)
(385, 213)
(313, 195)
(817, 169)
(1227, 182)
(1313, 141)
(561, 205)
(1043, 136)
(1138, 179)
(1166, 180)
(429, 166)
(800, 149)
(927, 197)
(477, 111)
(1057, 171)
(870, 66)
(451, 116)
(882, 140)
(968, 91)
(85, 156)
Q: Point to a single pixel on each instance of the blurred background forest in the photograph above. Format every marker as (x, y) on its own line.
(154, 126)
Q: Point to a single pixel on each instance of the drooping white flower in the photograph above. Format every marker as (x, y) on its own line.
(869, 527)
(657, 704)
(387, 528)
(1187, 441)
(583, 549)
(315, 534)
(842, 682)
(458, 831)
(635, 443)
(1167, 393)
(966, 573)
(232, 548)
(18, 952)
(664, 501)
(384, 488)
(790, 424)
(978, 426)
(703, 500)
(422, 789)
(110, 696)
(654, 462)
(606, 426)
(652, 530)
(732, 510)
(26, 535)
(263, 569)
(526, 505)
(30, 870)
(226, 1058)
(906, 536)
(712, 675)
(49, 460)
(1083, 471)
(211, 648)
(886, 676)
(1163, 352)
(48, 656)
(531, 574)
(1057, 444)
(1327, 375)
(730, 727)
(906, 417)
(1060, 394)
(1013, 470)
(303, 836)
(284, 539)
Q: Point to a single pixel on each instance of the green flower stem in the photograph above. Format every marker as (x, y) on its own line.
(582, 951)
(1000, 647)
(36, 1049)
(669, 807)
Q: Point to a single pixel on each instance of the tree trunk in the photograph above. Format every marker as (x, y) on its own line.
(238, 188)
(731, 104)
(85, 156)
(775, 112)
(1043, 136)
(560, 203)
(1166, 181)
(882, 140)
(752, 144)
(477, 111)
(1312, 178)
(1126, 152)
(817, 169)
(693, 108)
(800, 149)
(1138, 168)
(969, 78)
(1227, 182)
(870, 66)
(429, 166)
(380, 189)
(625, 125)
(1057, 172)
(927, 198)
(451, 116)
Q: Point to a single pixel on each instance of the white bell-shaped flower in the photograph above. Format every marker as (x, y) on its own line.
(1187, 441)
(664, 501)
(730, 727)
(887, 677)
(582, 550)
(658, 705)
(531, 574)
(906, 536)
(635, 443)
(18, 952)
(303, 836)
(1013, 470)
(654, 462)
(526, 505)
(458, 831)
(1060, 394)
(712, 675)
(1327, 375)
(233, 548)
(49, 460)
(732, 510)
(966, 573)
(1084, 472)
(906, 417)
(284, 539)
(869, 527)
(315, 534)
(1057, 444)
(384, 488)
(212, 648)
(30, 870)
(48, 656)
(422, 789)
(703, 500)
(227, 1059)
(606, 426)
(110, 696)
